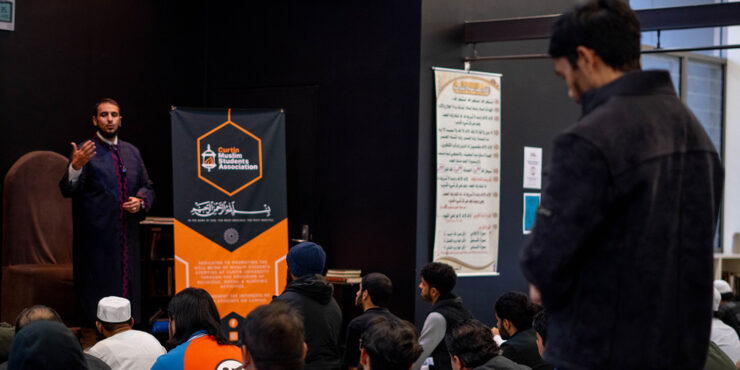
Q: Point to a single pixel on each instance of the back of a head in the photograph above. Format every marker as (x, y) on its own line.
(517, 308)
(391, 344)
(379, 287)
(306, 258)
(540, 325)
(35, 313)
(472, 342)
(441, 276)
(609, 27)
(46, 344)
(193, 309)
(274, 336)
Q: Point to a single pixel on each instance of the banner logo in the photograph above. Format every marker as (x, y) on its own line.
(231, 157)
(209, 159)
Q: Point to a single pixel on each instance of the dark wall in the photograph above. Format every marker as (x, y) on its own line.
(355, 80)
(534, 108)
(347, 76)
(64, 56)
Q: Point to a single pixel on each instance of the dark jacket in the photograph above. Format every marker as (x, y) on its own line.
(501, 363)
(623, 237)
(452, 309)
(356, 327)
(522, 349)
(322, 318)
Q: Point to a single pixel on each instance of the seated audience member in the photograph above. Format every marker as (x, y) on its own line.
(196, 335)
(389, 344)
(373, 295)
(539, 323)
(722, 334)
(273, 338)
(471, 346)
(437, 282)
(123, 347)
(514, 313)
(312, 295)
(46, 344)
(43, 313)
(729, 310)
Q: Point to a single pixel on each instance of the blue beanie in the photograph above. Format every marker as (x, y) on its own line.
(306, 258)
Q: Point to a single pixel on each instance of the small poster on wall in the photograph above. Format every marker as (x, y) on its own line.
(468, 170)
(7, 15)
(532, 167)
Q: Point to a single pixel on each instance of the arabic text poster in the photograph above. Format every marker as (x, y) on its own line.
(230, 207)
(468, 170)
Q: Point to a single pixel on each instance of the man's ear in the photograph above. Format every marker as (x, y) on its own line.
(456, 364)
(434, 292)
(95, 121)
(305, 350)
(587, 58)
(246, 357)
(364, 359)
(99, 326)
(508, 325)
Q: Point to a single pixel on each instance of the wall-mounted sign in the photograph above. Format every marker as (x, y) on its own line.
(529, 211)
(7, 15)
(468, 170)
(532, 167)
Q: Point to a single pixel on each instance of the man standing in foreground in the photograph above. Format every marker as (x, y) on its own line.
(437, 282)
(623, 237)
(111, 193)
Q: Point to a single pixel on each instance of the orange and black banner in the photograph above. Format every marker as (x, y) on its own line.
(230, 203)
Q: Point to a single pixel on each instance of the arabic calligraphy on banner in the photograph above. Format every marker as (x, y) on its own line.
(230, 205)
(468, 170)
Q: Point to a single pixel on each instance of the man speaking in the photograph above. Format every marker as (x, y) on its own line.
(111, 193)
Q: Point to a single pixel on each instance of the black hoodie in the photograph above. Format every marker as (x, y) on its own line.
(322, 318)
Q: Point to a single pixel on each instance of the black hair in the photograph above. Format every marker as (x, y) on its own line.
(726, 296)
(609, 27)
(441, 276)
(379, 287)
(472, 342)
(103, 101)
(35, 313)
(517, 308)
(113, 326)
(391, 344)
(192, 310)
(540, 325)
(274, 335)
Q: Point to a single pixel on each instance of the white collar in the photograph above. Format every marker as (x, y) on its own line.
(114, 142)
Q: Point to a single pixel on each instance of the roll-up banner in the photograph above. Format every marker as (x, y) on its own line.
(231, 217)
(468, 170)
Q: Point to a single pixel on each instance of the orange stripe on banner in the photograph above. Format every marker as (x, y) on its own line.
(239, 281)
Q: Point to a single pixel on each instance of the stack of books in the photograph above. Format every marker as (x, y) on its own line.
(345, 276)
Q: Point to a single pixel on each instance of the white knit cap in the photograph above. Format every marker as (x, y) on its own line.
(715, 302)
(114, 309)
(722, 286)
